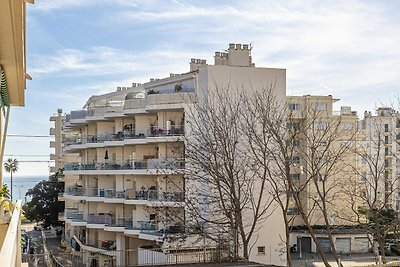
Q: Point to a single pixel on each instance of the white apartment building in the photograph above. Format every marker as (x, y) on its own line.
(57, 143)
(125, 167)
(378, 157)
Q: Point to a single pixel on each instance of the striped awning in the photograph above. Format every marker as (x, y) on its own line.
(4, 97)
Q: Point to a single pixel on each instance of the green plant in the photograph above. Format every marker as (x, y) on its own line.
(4, 192)
(178, 87)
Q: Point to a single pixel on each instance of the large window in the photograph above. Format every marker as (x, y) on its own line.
(294, 106)
(321, 106)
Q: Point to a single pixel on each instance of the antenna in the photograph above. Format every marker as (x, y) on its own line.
(250, 47)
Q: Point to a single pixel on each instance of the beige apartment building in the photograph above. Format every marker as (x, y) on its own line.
(124, 162)
(324, 170)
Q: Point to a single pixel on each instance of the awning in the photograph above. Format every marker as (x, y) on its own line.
(4, 97)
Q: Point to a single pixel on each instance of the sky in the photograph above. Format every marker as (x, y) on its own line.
(78, 48)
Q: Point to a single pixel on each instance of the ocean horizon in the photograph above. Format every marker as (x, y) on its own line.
(22, 184)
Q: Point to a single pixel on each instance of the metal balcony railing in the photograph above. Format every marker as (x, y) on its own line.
(157, 163)
(99, 219)
(152, 131)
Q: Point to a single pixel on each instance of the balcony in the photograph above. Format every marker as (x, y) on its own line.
(156, 164)
(52, 131)
(74, 191)
(136, 104)
(168, 101)
(10, 236)
(153, 131)
(115, 196)
(98, 219)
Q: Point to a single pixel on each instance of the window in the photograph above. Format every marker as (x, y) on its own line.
(261, 250)
(293, 126)
(292, 142)
(295, 160)
(347, 126)
(386, 151)
(320, 125)
(294, 106)
(321, 143)
(293, 211)
(386, 128)
(321, 106)
(295, 176)
(386, 139)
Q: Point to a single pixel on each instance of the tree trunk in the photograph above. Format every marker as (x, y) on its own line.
(246, 250)
(11, 186)
(381, 243)
(288, 253)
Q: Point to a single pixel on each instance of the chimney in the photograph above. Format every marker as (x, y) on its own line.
(231, 46)
(238, 47)
(133, 84)
(119, 88)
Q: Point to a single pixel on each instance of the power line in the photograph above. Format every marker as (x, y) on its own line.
(47, 161)
(25, 135)
(20, 155)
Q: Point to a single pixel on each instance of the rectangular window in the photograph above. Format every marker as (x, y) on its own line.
(295, 126)
(386, 128)
(321, 143)
(295, 176)
(386, 139)
(292, 142)
(386, 151)
(295, 160)
(293, 211)
(261, 250)
(294, 106)
(320, 125)
(347, 126)
(321, 106)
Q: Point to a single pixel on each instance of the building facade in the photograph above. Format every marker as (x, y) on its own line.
(124, 160)
(57, 143)
(378, 160)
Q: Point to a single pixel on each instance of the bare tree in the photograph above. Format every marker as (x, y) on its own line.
(374, 195)
(228, 197)
(304, 154)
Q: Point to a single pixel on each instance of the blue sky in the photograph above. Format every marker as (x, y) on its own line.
(77, 48)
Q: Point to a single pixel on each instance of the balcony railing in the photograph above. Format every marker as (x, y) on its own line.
(153, 131)
(157, 163)
(10, 238)
(99, 219)
(131, 194)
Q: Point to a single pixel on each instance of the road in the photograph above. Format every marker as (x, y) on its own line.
(36, 241)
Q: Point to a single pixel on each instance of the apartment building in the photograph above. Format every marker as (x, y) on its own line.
(124, 162)
(57, 143)
(378, 160)
(324, 170)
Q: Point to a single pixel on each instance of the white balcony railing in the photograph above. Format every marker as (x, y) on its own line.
(10, 235)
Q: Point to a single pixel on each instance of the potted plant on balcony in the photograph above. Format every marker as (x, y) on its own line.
(178, 87)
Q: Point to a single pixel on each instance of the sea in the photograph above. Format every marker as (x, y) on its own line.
(22, 184)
